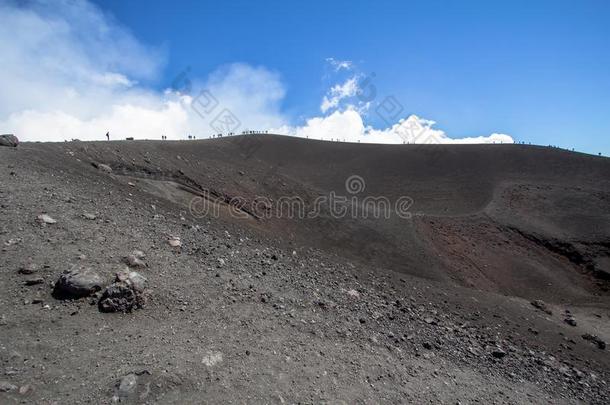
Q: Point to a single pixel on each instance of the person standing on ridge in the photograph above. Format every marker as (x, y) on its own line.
(108, 135)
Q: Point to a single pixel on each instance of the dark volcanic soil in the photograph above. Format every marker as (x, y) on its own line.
(432, 308)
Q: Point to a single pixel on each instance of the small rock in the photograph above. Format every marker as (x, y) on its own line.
(25, 389)
(353, 293)
(28, 268)
(595, 339)
(570, 321)
(9, 140)
(132, 278)
(541, 305)
(89, 216)
(45, 219)
(212, 358)
(430, 321)
(139, 254)
(174, 241)
(104, 168)
(34, 281)
(133, 261)
(128, 386)
(6, 386)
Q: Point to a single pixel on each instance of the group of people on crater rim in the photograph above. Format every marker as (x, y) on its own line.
(248, 132)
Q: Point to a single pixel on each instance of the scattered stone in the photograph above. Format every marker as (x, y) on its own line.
(45, 219)
(90, 217)
(133, 261)
(127, 386)
(132, 278)
(6, 386)
(25, 389)
(103, 167)
(78, 283)
(34, 281)
(541, 305)
(28, 268)
(9, 140)
(174, 241)
(12, 242)
(570, 320)
(212, 358)
(430, 321)
(353, 293)
(595, 339)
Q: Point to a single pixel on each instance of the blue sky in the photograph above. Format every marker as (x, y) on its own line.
(537, 71)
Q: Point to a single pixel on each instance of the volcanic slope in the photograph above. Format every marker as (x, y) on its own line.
(431, 305)
(504, 218)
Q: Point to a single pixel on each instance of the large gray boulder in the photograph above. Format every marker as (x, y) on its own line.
(78, 283)
(9, 140)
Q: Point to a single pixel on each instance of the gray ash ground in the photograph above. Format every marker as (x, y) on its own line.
(236, 316)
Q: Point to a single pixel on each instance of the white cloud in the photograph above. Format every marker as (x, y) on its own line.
(339, 92)
(338, 65)
(348, 126)
(252, 94)
(70, 71)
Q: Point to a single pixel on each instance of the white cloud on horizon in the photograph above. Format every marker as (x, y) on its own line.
(348, 126)
(74, 72)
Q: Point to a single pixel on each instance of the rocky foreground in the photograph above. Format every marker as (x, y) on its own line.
(109, 294)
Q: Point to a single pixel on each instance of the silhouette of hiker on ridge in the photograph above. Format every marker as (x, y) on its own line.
(108, 135)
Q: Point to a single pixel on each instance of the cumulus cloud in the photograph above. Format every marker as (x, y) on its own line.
(339, 92)
(71, 71)
(349, 126)
(338, 65)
